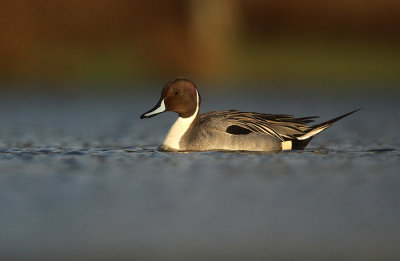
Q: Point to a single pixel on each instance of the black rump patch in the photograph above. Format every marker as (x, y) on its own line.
(237, 130)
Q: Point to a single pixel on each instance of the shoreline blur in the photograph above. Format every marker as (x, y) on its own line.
(217, 42)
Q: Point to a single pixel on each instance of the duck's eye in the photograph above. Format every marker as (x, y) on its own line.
(175, 93)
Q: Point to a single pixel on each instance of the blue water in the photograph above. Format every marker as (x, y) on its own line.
(80, 178)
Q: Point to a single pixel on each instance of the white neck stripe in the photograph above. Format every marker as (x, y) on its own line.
(179, 128)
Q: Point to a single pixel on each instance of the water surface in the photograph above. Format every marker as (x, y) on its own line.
(80, 177)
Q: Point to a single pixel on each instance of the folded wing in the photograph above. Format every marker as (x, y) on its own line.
(281, 126)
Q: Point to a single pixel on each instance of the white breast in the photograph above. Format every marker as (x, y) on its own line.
(179, 129)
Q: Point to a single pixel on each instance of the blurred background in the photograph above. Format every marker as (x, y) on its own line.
(109, 44)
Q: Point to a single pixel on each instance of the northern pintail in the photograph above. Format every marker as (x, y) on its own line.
(229, 130)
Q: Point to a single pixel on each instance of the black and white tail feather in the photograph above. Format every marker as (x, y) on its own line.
(301, 142)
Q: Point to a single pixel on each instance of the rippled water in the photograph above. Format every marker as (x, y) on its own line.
(80, 177)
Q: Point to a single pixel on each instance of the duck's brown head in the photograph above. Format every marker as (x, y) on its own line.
(180, 96)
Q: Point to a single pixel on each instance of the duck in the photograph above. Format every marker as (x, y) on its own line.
(229, 130)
